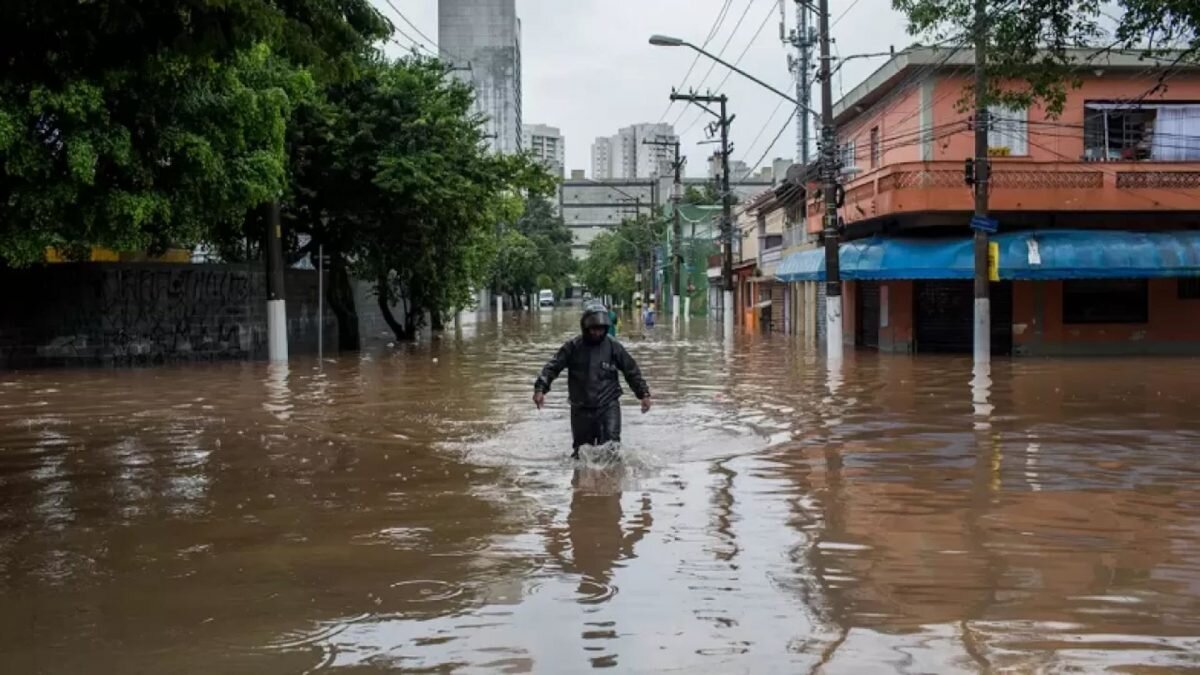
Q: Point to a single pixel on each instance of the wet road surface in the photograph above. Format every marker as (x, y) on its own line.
(409, 509)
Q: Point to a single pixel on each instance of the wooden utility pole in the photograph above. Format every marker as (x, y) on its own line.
(981, 223)
(829, 172)
(723, 121)
(277, 342)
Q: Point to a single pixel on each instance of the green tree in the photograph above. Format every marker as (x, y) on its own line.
(140, 125)
(1031, 44)
(607, 270)
(517, 266)
(552, 238)
(705, 195)
(392, 175)
(616, 257)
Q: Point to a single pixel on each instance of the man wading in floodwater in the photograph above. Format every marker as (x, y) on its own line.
(592, 361)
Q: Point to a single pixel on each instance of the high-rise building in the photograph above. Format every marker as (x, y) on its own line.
(602, 157)
(626, 155)
(482, 40)
(547, 145)
(738, 170)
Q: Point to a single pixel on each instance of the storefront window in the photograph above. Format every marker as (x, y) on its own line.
(1106, 301)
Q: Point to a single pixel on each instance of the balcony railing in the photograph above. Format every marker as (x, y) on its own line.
(1019, 185)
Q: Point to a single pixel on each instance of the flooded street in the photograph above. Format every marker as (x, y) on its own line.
(409, 509)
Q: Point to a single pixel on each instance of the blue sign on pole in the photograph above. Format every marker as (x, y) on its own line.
(988, 225)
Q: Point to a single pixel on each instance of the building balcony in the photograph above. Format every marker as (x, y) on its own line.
(1019, 185)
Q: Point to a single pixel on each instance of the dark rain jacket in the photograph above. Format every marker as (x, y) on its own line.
(592, 370)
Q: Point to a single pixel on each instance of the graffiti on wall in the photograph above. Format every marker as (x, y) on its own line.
(144, 312)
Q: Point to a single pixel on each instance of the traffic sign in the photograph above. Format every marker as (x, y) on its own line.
(983, 224)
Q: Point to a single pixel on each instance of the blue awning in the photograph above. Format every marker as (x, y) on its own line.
(1031, 255)
(802, 266)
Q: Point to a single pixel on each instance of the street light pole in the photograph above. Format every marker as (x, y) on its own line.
(829, 169)
(727, 217)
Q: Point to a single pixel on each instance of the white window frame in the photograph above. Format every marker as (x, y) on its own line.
(848, 157)
(1009, 128)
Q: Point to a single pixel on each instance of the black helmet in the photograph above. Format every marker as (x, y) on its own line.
(594, 314)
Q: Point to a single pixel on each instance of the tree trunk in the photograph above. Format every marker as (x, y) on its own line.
(435, 320)
(384, 298)
(340, 294)
(412, 315)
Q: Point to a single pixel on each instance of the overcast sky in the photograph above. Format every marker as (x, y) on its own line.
(588, 69)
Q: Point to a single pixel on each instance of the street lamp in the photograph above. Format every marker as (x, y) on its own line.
(833, 283)
(668, 41)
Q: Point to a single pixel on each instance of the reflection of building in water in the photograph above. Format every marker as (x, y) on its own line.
(949, 545)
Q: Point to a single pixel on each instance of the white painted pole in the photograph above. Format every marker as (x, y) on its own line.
(687, 308)
(727, 311)
(277, 344)
(675, 309)
(983, 333)
(833, 335)
(500, 307)
(277, 341)
(320, 303)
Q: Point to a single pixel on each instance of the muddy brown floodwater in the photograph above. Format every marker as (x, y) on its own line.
(408, 509)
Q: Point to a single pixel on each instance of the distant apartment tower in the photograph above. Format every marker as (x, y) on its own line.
(482, 40)
(547, 145)
(738, 170)
(626, 155)
(602, 151)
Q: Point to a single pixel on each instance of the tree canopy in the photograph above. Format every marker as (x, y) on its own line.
(616, 257)
(1031, 43)
(391, 170)
(137, 125)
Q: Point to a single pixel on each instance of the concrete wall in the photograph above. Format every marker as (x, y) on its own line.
(130, 313)
(1038, 328)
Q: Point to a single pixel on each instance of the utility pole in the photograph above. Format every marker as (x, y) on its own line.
(277, 342)
(981, 223)
(800, 65)
(829, 172)
(727, 218)
(677, 226)
(723, 121)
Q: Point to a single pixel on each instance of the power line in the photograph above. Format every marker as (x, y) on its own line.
(843, 14)
(432, 43)
(736, 62)
(712, 32)
(721, 53)
(413, 45)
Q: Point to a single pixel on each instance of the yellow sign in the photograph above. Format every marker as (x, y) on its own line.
(100, 254)
(993, 261)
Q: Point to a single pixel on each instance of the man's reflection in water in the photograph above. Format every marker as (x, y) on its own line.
(597, 540)
(595, 535)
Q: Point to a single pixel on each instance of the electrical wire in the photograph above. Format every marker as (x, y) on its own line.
(843, 14)
(721, 53)
(725, 79)
(712, 32)
(432, 43)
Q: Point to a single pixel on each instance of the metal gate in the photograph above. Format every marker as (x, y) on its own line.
(944, 316)
(866, 332)
(778, 307)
